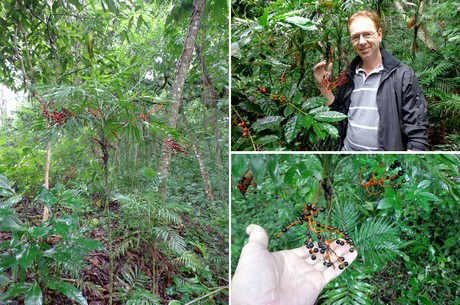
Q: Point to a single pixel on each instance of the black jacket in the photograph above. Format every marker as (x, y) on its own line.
(401, 106)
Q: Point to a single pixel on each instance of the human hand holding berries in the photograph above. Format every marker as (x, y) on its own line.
(284, 277)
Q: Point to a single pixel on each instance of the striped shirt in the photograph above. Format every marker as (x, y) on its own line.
(363, 115)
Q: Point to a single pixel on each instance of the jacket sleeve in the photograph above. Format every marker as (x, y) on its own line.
(414, 113)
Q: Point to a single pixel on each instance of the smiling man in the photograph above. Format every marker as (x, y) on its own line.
(383, 101)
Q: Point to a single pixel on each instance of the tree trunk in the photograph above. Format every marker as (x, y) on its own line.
(203, 168)
(419, 27)
(178, 87)
(28, 82)
(210, 98)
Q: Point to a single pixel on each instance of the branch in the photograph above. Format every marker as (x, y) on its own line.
(422, 33)
(28, 82)
(207, 295)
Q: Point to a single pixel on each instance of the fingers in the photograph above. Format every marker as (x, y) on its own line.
(257, 234)
(319, 66)
(342, 251)
(329, 69)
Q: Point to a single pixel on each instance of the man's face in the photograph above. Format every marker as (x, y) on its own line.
(365, 38)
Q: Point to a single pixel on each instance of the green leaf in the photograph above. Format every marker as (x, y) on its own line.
(273, 168)
(288, 110)
(26, 256)
(267, 122)
(320, 133)
(424, 184)
(292, 128)
(77, 4)
(314, 102)
(68, 290)
(423, 299)
(257, 165)
(34, 295)
(385, 203)
(88, 245)
(330, 129)
(112, 6)
(307, 120)
(267, 139)
(426, 196)
(9, 222)
(239, 166)
(330, 116)
(263, 21)
(16, 289)
(302, 22)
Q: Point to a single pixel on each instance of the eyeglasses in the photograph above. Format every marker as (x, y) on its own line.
(366, 35)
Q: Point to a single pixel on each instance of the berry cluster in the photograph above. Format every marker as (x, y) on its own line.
(278, 98)
(174, 147)
(330, 84)
(324, 235)
(245, 128)
(390, 177)
(143, 116)
(57, 118)
(245, 182)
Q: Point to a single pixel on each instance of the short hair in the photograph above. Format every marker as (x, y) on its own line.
(364, 14)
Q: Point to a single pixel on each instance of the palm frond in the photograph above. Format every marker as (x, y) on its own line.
(351, 289)
(378, 241)
(345, 216)
(191, 261)
(171, 238)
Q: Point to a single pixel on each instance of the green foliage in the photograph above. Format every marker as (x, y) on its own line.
(132, 290)
(50, 251)
(151, 222)
(279, 114)
(404, 238)
(276, 44)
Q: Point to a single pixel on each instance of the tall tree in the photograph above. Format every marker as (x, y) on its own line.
(178, 87)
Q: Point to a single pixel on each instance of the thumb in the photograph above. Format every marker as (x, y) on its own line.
(257, 234)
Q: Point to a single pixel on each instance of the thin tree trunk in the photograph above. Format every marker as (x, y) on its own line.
(419, 27)
(28, 82)
(210, 97)
(203, 168)
(178, 87)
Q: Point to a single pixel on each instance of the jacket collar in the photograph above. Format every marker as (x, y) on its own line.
(388, 61)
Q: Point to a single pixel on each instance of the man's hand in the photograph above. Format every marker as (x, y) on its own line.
(287, 277)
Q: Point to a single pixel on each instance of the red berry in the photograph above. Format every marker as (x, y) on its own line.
(263, 90)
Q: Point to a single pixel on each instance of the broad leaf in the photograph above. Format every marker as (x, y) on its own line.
(34, 296)
(292, 128)
(267, 122)
(302, 22)
(68, 290)
(267, 139)
(330, 129)
(330, 116)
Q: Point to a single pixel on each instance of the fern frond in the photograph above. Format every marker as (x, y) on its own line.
(378, 241)
(427, 76)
